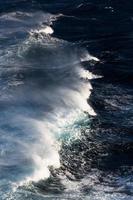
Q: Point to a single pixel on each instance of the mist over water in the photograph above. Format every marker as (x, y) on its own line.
(65, 100)
(44, 91)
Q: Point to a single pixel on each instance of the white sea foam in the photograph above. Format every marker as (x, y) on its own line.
(43, 30)
(41, 110)
(20, 22)
(87, 57)
(85, 74)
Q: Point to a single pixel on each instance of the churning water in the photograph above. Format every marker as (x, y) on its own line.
(65, 113)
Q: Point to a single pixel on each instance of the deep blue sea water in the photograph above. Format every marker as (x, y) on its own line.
(66, 100)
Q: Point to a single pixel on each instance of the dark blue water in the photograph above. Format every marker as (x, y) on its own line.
(66, 99)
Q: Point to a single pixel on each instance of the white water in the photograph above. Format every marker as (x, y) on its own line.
(44, 91)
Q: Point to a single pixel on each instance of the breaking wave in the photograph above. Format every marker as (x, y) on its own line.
(44, 96)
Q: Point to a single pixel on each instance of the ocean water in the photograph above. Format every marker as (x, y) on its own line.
(66, 100)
